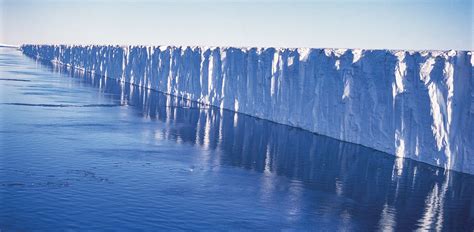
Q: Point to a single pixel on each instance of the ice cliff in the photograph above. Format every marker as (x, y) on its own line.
(412, 104)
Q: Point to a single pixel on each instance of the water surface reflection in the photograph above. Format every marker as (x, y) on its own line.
(383, 192)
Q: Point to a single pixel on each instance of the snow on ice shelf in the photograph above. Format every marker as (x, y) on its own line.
(412, 104)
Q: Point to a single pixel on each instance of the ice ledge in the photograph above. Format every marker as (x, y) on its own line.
(413, 104)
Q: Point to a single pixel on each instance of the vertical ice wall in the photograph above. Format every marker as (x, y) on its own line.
(413, 104)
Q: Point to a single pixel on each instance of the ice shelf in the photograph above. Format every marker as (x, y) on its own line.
(412, 104)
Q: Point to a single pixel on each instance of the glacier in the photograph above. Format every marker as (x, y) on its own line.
(412, 104)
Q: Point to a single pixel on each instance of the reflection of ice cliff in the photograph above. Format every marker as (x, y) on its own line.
(418, 105)
(434, 209)
(398, 194)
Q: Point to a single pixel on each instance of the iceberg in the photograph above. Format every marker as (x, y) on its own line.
(412, 104)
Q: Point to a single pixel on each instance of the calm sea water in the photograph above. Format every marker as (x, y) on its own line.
(81, 152)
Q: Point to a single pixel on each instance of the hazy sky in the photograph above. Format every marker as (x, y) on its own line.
(407, 24)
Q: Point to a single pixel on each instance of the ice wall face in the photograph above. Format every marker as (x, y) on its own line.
(417, 105)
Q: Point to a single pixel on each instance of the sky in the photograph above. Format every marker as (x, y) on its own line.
(371, 24)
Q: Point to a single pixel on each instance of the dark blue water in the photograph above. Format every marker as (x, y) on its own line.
(81, 152)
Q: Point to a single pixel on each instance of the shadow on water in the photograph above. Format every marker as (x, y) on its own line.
(393, 193)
